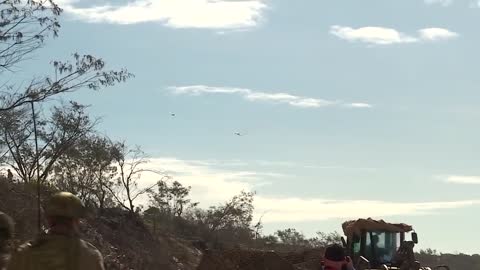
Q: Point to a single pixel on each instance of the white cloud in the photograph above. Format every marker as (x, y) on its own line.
(290, 164)
(212, 185)
(388, 36)
(446, 3)
(278, 165)
(359, 105)
(439, 2)
(302, 210)
(462, 179)
(257, 96)
(217, 14)
(371, 34)
(433, 34)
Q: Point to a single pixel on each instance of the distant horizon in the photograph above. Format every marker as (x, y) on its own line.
(142, 201)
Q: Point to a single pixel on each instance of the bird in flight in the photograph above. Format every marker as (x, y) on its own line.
(172, 114)
(238, 134)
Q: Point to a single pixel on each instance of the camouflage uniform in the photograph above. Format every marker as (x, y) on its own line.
(3, 261)
(52, 251)
(59, 251)
(6, 232)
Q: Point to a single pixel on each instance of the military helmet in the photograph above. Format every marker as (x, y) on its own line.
(6, 226)
(65, 204)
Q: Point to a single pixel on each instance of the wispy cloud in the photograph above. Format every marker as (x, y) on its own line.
(434, 34)
(359, 105)
(276, 164)
(290, 164)
(439, 2)
(216, 14)
(446, 3)
(258, 96)
(388, 36)
(212, 185)
(302, 210)
(371, 34)
(462, 179)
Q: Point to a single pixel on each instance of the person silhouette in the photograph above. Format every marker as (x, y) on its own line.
(9, 175)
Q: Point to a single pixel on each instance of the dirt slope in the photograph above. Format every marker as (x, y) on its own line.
(122, 238)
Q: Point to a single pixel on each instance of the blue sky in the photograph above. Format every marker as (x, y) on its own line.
(348, 108)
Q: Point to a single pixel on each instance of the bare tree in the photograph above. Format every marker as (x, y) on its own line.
(130, 163)
(24, 25)
(87, 169)
(237, 212)
(56, 134)
(292, 237)
(229, 222)
(85, 71)
(172, 199)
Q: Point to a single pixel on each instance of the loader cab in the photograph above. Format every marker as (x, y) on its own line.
(378, 247)
(377, 242)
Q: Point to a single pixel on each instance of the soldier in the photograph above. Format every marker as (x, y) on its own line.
(6, 233)
(9, 175)
(60, 247)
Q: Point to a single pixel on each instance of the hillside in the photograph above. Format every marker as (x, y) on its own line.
(122, 238)
(128, 243)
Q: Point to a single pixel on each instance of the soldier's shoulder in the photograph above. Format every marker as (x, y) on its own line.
(89, 247)
(4, 258)
(26, 246)
(38, 241)
(92, 256)
(3, 262)
(22, 250)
